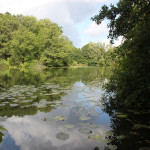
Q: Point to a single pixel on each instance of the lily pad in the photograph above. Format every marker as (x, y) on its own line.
(13, 105)
(69, 126)
(109, 133)
(85, 131)
(16, 101)
(84, 117)
(95, 137)
(136, 126)
(34, 97)
(120, 137)
(26, 106)
(118, 113)
(2, 104)
(26, 101)
(62, 136)
(121, 116)
(106, 140)
(11, 98)
(5, 102)
(22, 97)
(61, 118)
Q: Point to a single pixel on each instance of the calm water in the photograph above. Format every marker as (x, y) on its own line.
(61, 109)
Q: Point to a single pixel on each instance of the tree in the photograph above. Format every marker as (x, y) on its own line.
(23, 47)
(109, 61)
(59, 53)
(8, 24)
(93, 53)
(24, 39)
(131, 79)
(124, 17)
(78, 57)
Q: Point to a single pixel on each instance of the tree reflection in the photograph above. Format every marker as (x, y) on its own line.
(130, 129)
(25, 92)
(96, 148)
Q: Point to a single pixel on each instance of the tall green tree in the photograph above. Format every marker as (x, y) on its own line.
(131, 80)
(93, 53)
(59, 53)
(24, 47)
(109, 60)
(24, 39)
(8, 24)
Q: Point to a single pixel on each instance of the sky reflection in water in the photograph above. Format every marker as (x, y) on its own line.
(68, 94)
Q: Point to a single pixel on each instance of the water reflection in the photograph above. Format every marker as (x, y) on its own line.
(62, 109)
(129, 129)
(36, 106)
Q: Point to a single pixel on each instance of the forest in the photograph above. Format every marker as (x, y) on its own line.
(28, 42)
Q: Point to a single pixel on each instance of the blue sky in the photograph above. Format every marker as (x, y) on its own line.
(73, 15)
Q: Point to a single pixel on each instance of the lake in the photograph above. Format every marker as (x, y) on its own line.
(62, 109)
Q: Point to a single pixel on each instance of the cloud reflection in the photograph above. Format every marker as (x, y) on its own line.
(30, 133)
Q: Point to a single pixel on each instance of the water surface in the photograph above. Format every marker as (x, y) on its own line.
(61, 109)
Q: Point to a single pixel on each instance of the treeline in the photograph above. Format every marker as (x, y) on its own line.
(26, 41)
(94, 54)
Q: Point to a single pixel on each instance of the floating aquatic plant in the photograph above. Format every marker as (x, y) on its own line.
(26, 101)
(95, 137)
(85, 130)
(136, 126)
(69, 126)
(13, 105)
(92, 125)
(62, 136)
(83, 117)
(61, 118)
(112, 147)
(121, 116)
(109, 133)
(120, 137)
(106, 140)
(5, 102)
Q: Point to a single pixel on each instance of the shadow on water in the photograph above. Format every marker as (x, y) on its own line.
(130, 129)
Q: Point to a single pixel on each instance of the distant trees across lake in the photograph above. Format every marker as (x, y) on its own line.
(26, 41)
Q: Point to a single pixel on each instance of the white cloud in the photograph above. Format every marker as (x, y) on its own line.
(106, 41)
(95, 30)
(31, 134)
(50, 8)
(67, 13)
(116, 42)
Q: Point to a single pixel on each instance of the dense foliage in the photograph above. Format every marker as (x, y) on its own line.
(94, 54)
(26, 41)
(131, 80)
